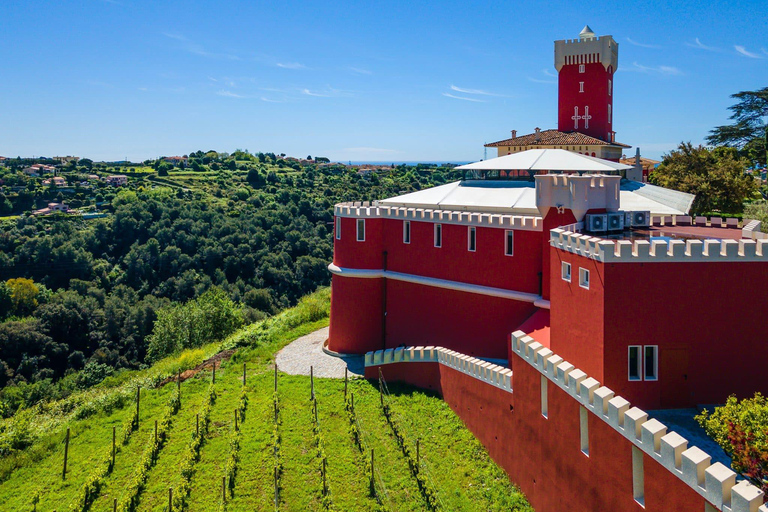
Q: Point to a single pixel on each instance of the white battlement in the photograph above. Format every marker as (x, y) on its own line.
(485, 371)
(603, 49)
(659, 251)
(687, 220)
(715, 482)
(495, 220)
(752, 229)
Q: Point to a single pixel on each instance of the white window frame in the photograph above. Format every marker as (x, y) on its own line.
(581, 86)
(509, 249)
(565, 271)
(581, 68)
(655, 375)
(438, 239)
(360, 222)
(610, 87)
(639, 369)
(338, 228)
(472, 239)
(406, 231)
(610, 114)
(544, 397)
(584, 278)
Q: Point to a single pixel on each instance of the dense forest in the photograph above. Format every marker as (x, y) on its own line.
(227, 238)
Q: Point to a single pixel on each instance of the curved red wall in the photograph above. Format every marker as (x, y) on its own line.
(356, 308)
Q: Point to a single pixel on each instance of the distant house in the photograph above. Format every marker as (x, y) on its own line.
(181, 161)
(118, 180)
(66, 159)
(93, 177)
(56, 180)
(38, 169)
(52, 208)
(3, 160)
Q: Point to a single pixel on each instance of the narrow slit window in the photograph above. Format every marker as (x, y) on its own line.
(584, 430)
(472, 239)
(581, 68)
(610, 87)
(581, 86)
(544, 399)
(584, 278)
(361, 230)
(635, 362)
(651, 358)
(406, 231)
(565, 271)
(509, 242)
(438, 235)
(638, 476)
(338, 228)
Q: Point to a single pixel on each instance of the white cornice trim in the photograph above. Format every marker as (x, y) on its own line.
(446, 284)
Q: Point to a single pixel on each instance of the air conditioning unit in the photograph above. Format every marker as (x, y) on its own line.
(616, 221)
(597, 223)
(641, 219)
(628, 219)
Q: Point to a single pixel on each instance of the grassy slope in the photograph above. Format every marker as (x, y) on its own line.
(468, 480)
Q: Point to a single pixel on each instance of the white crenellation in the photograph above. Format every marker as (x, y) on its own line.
(519, 222)
(714, 482)
(752, 229)
(659, 251)
(687, 220)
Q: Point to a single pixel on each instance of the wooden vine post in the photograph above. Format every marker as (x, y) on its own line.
(170, 499)
(197, 425)
(345, 381)
(312, 383)
(178, 385)
(373, 482)
(114, 447)
(66, 454)
(114, 505)
(418, 458)
(276, 497)
(224, 489)
(155, 431)
(325, 484)
(381, 388)
(243, 374)
(138, 401)
(235, 420)
(214, 373)
(275, 376)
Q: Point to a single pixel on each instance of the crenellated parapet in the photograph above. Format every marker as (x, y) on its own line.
(659, 251)
(753, 229)
(494, 220)
(699, 221)
(603, 49)
(714, 482)
(485, 371)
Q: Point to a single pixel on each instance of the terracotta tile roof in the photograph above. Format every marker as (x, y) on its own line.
(646, 163)
(554, 138)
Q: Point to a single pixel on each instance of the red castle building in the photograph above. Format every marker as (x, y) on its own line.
(548, 299)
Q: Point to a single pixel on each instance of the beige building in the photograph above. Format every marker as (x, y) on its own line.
(554, 139)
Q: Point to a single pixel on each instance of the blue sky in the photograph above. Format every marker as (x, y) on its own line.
(382, 81)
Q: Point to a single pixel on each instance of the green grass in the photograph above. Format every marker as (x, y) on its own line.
(461, 472)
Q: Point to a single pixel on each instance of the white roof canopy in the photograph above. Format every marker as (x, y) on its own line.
(546, 160)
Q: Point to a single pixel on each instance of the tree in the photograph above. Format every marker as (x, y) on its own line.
(716, 177)
(23, 293)
(749, 133)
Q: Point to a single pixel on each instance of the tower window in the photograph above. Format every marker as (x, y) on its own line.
(581, 68)
(438, 235)
(406, 231)
(581, 86)
(509, 243)
(610, 87)
(651, 362)
(338, 228)
(610, 113)
(635, 362)
(471, 238)
(361, 230)
(565, 271)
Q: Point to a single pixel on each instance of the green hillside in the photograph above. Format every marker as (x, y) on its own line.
(224, 468)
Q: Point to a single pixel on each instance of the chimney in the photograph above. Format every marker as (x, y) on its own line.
(514, 134)
(538, 134)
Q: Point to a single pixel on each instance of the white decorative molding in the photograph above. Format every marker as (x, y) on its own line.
(490, 373)
(490, 220)
(714, 482)
(659, 251)
(440, 283)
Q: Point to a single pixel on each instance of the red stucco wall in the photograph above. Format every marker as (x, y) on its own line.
(543, 455)
(356, 306)
(595, 96)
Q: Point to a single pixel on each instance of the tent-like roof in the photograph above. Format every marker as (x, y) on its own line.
(519, 197)
(546, 160)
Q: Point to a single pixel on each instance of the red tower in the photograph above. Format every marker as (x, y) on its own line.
(585, 69)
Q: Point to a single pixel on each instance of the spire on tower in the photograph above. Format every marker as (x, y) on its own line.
(586, 33)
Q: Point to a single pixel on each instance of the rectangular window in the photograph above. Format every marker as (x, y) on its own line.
(509, 243)
(651, 357)
(438, 235)
(581, 68)
(635, 362)
(471, 238)
(338, 228)
(584, 430)
(361, 230)
(584, 278)
(638, 476)
(406, 231)
(581, 86)
(544, 399)
(610, 87)
(565, 271)
(610, 114)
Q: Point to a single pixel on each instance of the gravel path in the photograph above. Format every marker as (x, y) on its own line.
(296, 358)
